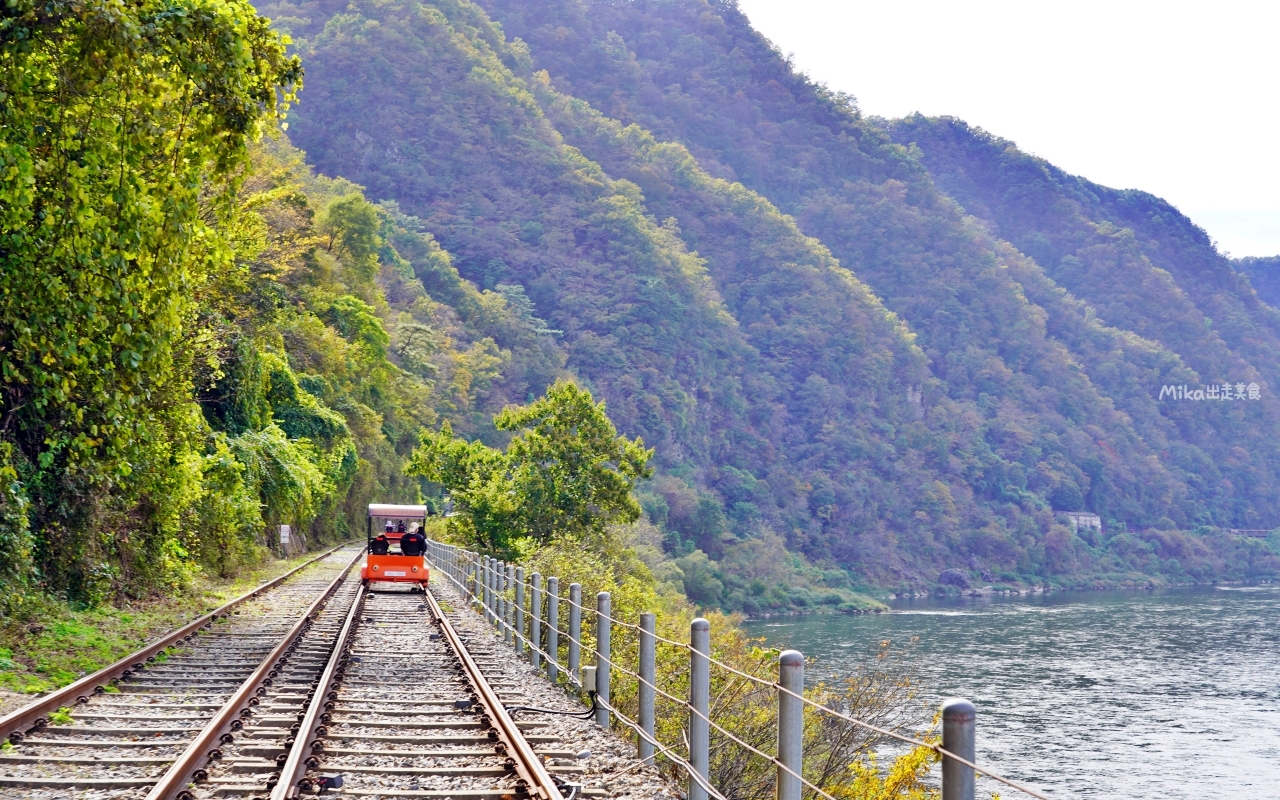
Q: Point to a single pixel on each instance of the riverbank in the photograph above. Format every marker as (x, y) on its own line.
(49, 644)
(1145, 582)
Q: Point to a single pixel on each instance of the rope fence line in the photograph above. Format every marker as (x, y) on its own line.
(694, 775)
(498, 591)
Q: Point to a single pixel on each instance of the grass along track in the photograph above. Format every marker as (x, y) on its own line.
(119, 742)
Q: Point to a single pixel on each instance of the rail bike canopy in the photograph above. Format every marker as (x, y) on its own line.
(391, 511)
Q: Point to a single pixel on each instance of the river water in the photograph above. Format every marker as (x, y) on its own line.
(1156, 695)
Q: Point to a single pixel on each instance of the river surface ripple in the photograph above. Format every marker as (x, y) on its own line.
(1154, 695)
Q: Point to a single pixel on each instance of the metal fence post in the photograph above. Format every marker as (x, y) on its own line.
(959, 719)
(575, 630)
(508, 607)
(535, 620)
(519, 612)
(648, 675)
(790, 724)
(603, 628)
(699, 704)
(553, 628)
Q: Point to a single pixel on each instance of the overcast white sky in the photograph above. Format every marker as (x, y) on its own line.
(1175, 98)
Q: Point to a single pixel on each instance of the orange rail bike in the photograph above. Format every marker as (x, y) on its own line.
(396, 553)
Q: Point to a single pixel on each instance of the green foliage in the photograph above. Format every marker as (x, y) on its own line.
(904, 780)
(881, 689)
(1264, 277)
(121, 129)
(573, 471)
(352, 225)
(195, 330)
(642, 317)
(566, 473)
(15, 526)
(330, 360)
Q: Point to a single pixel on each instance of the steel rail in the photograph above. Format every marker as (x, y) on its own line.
(296, 766)
(204, 748)
(532, 772)
(34, 715)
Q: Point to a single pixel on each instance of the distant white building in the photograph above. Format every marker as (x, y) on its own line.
(1081, 519)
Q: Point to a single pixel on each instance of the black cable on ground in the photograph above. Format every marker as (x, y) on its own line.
(579, 714)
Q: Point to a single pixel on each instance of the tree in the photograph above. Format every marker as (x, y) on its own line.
(566, 473)
(122, 132)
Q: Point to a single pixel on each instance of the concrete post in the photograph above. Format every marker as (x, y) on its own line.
(519, 612)
(486, 590)
(699, 704)
(499, 595)
(535, 620)
(959, 719)
(790, 724)
(495, 590)
(575, 629)
(509, 607)
(492, 591)
(648, 679)
(603, 629)
(553, 628)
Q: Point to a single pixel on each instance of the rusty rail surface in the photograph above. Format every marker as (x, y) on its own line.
(204, 748)
(528, 766)
(295, 766)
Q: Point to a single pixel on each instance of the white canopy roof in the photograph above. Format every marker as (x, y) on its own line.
(389, 511)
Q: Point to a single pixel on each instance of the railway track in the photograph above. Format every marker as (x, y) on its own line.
(316, 685)
(115, 734)
(410, 709)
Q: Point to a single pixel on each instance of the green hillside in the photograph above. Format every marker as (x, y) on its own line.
(796, 306)
(1140, 265)
(1264, 276)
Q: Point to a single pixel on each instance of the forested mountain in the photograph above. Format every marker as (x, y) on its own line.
(865, 351)
(892, 347)
(1264, 276)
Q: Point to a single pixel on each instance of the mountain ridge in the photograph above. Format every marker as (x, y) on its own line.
(825, 346)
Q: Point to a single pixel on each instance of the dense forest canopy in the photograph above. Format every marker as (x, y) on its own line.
(839, 338)
(862, 351)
